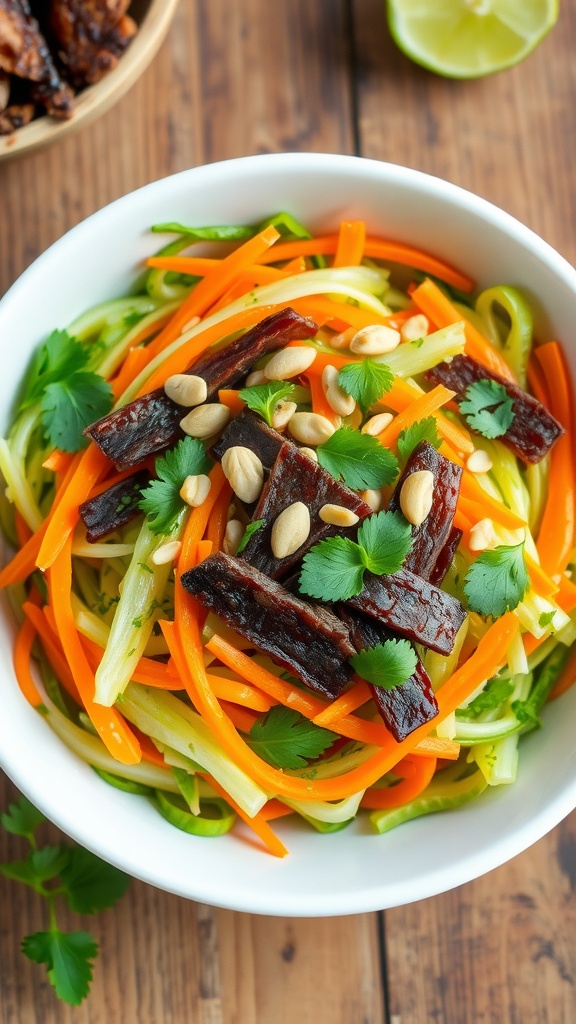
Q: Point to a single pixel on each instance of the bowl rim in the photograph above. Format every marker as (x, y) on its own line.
(367, 898)
(95, 100)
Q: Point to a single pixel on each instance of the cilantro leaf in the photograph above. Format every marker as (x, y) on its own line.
(487, 408)
(249, 532)
(385, 540)
(68, 957)
(40, 866)
(497, 580)
(332, 570)
(89, 883)
(285, 739)
(387, 665)
(495, 693)
(546, 619)
(357, 459)
(423, 430)
(366, 381)
(22, 818)
(161, 500)
(59, 357)
(526, 713)
(70, 405)
(220, 233)
(263, 398)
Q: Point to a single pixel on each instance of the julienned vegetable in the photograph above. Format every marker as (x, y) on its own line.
(341, 584)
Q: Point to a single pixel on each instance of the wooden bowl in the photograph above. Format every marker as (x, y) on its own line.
(153, 18)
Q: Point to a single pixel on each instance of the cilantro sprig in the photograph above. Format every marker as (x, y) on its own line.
(249, 532)
(333, 570)
(285, 739)
(62, 872)
(69, 394)
(487, 408)
(366, 381)
(497, 580)
(359, 460)
(387, 665)
(263, 398)
(422, 430)
(161, 500)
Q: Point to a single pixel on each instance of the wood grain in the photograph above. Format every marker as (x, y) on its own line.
(255, 76)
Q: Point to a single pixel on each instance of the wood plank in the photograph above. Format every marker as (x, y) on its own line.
(509, 137)
(499, 949)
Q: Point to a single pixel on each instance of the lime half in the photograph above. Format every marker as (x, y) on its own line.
(469, 38)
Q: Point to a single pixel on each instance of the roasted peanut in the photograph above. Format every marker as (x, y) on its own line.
(372, 498)
(338, 515)
(290, 362)
(232, 537)
(482, 535)
(168, 552)
(283, 413)
(310, 427)
(256, 377)
(416, 496)
(195, 489)
(205, 420)
(186, 389)
(338, 400)
(415, 327)
(244, 472)
(291, 528)
(375, 340)
(479, 461)
(376, 424)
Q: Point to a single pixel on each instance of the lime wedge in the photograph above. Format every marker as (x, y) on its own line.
(469, 38)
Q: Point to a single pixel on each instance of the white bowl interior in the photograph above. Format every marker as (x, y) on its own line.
(354, 870)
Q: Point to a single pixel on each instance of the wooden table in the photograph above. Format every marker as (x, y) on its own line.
(258, 76)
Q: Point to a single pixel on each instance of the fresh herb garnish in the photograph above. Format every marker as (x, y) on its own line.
(333, 570)
(285, 739)
(249, 532)
(526, 713)
(387, 665)
(366, 381)
(497, 580)
(546, 619)
(263, 398)
(359, 460)
(161, 500)
(423, 430)
(220, 233)
(495, 693)
(487, 408)
(70, 396)
(87, 885)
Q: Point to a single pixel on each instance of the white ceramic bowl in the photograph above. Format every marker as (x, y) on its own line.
(354, 870)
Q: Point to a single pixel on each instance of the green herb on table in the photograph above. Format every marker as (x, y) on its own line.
(359, 460)
(68, 873)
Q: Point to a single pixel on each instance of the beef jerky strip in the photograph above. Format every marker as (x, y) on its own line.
(308, 640)
(445, 557)
(295, 477)
(25, 53)
(152, 423)
(533, 430)
(248, 430)
(429, 538)
(91, 35)
(403, 708)
(114, 507)
(411, 607)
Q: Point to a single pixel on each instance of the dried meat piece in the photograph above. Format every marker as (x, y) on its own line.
(445, 557)
(533, 431)
(296, 477)
(403, 708)
(307, 640)
(24, 52)
(15, 117)
(91, 35)
(152, 423)
(412, 607)
(248, 430)
(429, 538)
(114, 507)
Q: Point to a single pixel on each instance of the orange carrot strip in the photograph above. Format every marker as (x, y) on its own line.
(295, 266)
(437, 746)
(242, 719)
(432, 301)
(201, 266)
(477, 510)
(537, 382)
(531, 643)
(411, 786)
(90, 468)
(229, 398)
(457, 436)
(349, 701)
(420, 408)
(239, 693)
(258, 823)
(566, 679)
(136, 359)
(21, 656)
(58, 461)
(147, 671)
(216, 527)
(203, 550)
(557, 530)
(275, 809)
(375, 248)
(52, 649)
(351, 241)
(566, 596)
(110, 725)
(23, 531)
(320, 403)
(539, 580)
(488, 506)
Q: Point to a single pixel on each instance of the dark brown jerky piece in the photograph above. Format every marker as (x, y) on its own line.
(403, 708)
(91, 35)
(114, 507)
(533, 431)
(248, 430)
(429, 538)
(152, 423)
(25, 53)
(411, 607)
(295, 477)
(16, 116)
(445, 557)
(308, 640)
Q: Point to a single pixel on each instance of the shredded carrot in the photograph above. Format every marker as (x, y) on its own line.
(539, 580)
(349, 701)
(432, 301)
(420, 408)
(109, 724)
(258, 823)
(136, 359)
(481, 505)
(216, 527)
(23, 531)
(52, 649)
(566, 596)
(229, 398)
(21, 659)
(57, 461)
(275, 809)
(557, 530)
(416, 774)
(351, 241)
(241, 718)
(437, 746)
(239, 693)
(320, 403)
(537, 381)
(62, 522)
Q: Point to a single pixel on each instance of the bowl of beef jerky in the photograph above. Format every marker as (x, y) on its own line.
(65, 62)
